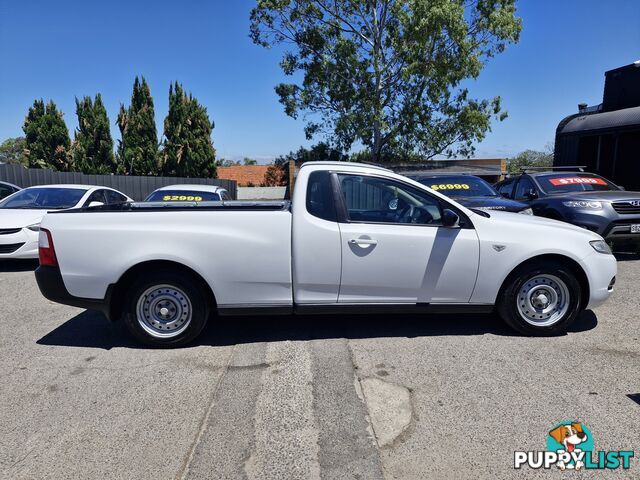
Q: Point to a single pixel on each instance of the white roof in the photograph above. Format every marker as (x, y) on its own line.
(10, 184)
(68, 185)
(196, 187)
(346, 164)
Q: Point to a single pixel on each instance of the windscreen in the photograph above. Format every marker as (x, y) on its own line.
(45, 198)
(182, 196)
(460, 186)
(574, 182)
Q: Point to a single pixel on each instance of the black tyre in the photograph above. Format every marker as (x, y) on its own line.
(540, 299)
(166, 309)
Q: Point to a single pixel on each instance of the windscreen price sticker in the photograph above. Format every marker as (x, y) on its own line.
(451, 186)
(576, 180)
(181, 198)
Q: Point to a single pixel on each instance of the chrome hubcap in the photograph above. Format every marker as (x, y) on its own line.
(164, 311)
(543, 300)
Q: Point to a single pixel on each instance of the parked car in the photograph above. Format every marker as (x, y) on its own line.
(472, 192)
(357, 238)
(188, 193)
(22, 212)
(583, 199)
(7, 189)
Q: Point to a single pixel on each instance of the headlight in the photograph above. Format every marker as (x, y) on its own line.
(601, 246)
(34, 228)
(583, 204)
(526, 211)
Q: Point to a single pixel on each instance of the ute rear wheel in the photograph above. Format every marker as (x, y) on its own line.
(541, 300)
(166, 309)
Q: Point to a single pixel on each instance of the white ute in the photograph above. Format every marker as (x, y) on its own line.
(356, 238)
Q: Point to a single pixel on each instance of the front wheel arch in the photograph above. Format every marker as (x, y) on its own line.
(119, 289)
(567, 262)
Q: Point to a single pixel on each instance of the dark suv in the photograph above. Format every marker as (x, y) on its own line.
(584, 199)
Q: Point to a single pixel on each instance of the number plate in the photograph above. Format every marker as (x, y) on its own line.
(635, 228)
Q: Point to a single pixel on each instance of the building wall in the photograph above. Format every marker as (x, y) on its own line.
(245, 175)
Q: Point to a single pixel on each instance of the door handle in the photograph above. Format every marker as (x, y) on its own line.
(363, 241)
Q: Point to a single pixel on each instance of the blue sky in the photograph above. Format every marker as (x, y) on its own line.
(64, 49)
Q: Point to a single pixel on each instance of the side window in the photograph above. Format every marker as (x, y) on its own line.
(320, 202)
(525, 185)
(506, 189)
(381, 200)
(97, 196)
(114, 197)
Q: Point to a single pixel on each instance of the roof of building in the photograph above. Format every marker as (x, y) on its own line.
(602, 121)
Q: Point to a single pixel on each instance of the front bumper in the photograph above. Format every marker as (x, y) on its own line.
(601, 271)
(20, 245)
(52, 286)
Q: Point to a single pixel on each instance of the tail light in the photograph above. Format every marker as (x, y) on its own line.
(46, 250)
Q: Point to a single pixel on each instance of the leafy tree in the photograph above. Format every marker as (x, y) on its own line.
(387, 155)
(12, 151)
(388, 73)
(225, 162)
(138, 147)
(319, 152)
(188, 151)
(93, 146)
(530, 158)
(275, 176)
(47, 139)
(249, 161)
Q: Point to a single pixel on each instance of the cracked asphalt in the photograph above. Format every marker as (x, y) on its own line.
(367, 397)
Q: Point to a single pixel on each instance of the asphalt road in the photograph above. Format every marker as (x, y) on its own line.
(309, 397)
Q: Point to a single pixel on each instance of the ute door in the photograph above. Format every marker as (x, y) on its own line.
(316, 243)
(395, 249)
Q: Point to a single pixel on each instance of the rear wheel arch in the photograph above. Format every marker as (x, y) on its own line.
(567, 262)
(118, 291)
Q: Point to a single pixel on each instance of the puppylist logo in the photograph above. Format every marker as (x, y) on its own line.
(570, 446)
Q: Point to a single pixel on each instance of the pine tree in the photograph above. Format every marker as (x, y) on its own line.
(93, 146)
(188, 151)
(47, 137)
(138, 147)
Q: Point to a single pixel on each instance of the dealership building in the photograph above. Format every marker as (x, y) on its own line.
(606, 137)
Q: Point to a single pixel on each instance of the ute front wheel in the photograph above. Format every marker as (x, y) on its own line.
(541, 300)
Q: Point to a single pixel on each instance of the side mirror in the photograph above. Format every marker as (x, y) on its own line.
(450, 219)
(532, 194)
(96, 204)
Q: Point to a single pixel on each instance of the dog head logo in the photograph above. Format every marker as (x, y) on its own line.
(571, 440)
(569, 436)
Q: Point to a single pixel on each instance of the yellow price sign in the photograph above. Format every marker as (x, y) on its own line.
(181, 198)
(451, 186)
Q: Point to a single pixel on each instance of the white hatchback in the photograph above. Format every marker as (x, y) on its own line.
(22, 212)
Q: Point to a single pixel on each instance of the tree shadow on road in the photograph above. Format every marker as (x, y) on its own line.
(18, 265)
(92, 330)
